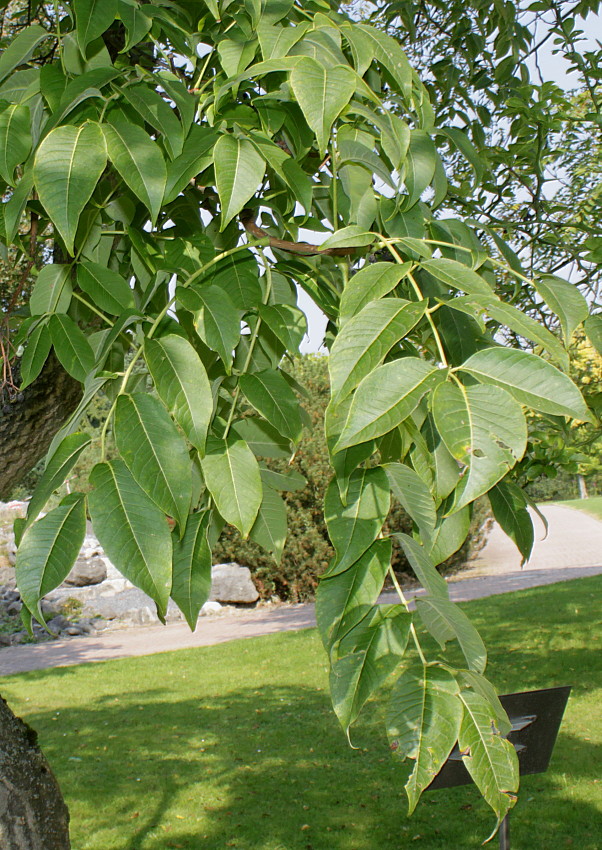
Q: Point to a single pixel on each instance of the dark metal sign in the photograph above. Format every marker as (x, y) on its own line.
(535, 718)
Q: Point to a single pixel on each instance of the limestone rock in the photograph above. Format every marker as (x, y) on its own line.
(232, 583)
(87, 571)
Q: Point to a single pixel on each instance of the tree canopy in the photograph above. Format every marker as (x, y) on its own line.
(161, 165)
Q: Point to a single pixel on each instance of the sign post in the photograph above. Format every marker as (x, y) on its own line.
(535, 717)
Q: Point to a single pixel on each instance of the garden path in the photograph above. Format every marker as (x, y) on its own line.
(572, 549)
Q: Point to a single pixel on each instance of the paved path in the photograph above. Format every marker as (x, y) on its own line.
(572, 549)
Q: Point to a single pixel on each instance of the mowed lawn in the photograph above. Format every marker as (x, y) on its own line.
(237, 746)
(592, 506)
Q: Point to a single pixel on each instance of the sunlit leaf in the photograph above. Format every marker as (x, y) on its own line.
(48, 550)
(531, 380)
(155, 453)
(192, 568)
(182, 384)
(366, 339)
(233, 479)
(67, 166)
(490, 759)
(322, 94)
(132, 530)
(239, 170)
(354, 526)
(423, 723)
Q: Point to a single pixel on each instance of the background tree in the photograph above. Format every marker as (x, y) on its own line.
(172, 154)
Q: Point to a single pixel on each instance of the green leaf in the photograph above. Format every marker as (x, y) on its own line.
(450, 534)
(182, 384)
(92, 385)
(531, 380)
(239, 171)
(368, 654)
(92, 19)
(270, 527)
(593, 329)
(151, 107)
(343, 600)
(154, 453)
(485, 429)
(386, 397)
(238, 276)
(352, 236)
(21, 48)
(322, 94)
(423, 722)
(509, 506)
(132, 530)
(354, 526)
(263, 439)
(52, 290)
(48, 550)
(139, 162)
(236, 54)
(218, 322)
(71, 346)
(38, 348)
(517, 321)
(368, 284)
(351, 151)
(290, 480)
(109, 290)
(423, 566)
(462, 142)
(233, 479)
(414, 496)
(67, 167)
(136, 23)
(367, 338)
(490, 759)
(13, 209)
(15, 139)
(446, 621)
(57, 469)
(286, 322)
(276, 41)
(458, 276)
(565, 300)
(192, 568)
(272, 397)
(196, 156)
(389, 55)
(420, 166)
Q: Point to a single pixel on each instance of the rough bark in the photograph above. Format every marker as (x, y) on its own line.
(33, 815)
(29, 422)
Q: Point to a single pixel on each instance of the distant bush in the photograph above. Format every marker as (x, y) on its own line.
(308, 550)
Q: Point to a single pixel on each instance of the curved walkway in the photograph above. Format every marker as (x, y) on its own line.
(572, 549)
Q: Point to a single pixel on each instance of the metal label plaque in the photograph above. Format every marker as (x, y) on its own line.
(535, 718)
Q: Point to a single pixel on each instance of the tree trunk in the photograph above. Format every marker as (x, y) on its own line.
(28, 424)
(33, 815)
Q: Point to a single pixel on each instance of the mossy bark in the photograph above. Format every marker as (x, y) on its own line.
(33, 814)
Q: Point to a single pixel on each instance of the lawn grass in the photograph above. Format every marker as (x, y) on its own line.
(236, 745)
(592, 506)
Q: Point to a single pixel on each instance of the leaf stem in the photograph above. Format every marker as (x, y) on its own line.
(406, 605)
(390, 246)
(93, 309)
(266, 298)
(157, 321)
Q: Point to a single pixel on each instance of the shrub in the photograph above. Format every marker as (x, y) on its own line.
(308, 550)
